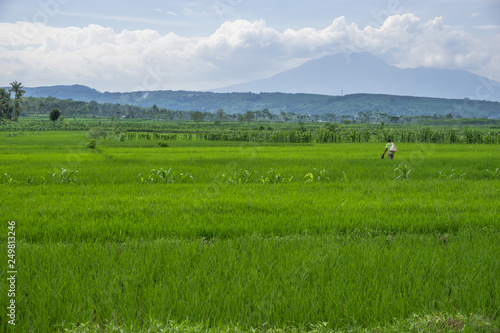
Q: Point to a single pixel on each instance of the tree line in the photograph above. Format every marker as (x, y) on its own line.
(13, 105)
(11, 108)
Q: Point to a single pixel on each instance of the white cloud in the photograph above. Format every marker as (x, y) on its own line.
(488, 27)
(167, 12)
(238, 51)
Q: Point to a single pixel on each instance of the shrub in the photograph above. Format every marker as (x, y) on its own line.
(92, 144)
(162, 144)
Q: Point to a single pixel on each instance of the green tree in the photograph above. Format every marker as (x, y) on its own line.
(17, 89)
(54, 114)
(4, 103)
(285, 116)
(266, 114)
(249, 116)
(220, 115)
(241, 118)
(41, 105)
(197, 116)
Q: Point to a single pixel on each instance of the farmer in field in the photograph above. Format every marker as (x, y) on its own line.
(391, 147)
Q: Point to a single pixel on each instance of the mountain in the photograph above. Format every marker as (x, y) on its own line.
(75, 92)
(332, 84)
(365, 73)
(275, 102)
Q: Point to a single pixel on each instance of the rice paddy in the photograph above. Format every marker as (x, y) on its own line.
(230, 236)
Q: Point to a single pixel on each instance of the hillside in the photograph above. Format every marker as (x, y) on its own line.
(278, 102)
(366, 73)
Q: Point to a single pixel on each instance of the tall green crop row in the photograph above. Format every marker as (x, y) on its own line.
(351, 135)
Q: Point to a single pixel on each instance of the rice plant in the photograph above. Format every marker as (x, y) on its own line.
(359, 254)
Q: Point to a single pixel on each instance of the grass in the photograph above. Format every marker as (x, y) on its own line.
(349, 242)
(251, 280)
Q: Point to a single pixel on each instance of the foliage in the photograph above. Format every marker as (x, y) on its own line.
(54, 114)
(17, 89)
(493, 174)
(64, 177)
(161, 176)
(316, 176)
(163, 144)
(354, 135)
(91, 144)
(403, 170)
(430, 323)
(36, 180)
(6, 179)
(169, 104)
(96, 133)
(453, 174)
(5, 110)
(275, 177)
(238, 178)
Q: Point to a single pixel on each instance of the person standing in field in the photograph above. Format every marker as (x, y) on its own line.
(391, 147)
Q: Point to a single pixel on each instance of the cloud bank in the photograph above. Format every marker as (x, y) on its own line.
(237, 51)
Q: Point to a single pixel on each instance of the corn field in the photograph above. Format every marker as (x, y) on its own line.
(356, 135)
(425, 135)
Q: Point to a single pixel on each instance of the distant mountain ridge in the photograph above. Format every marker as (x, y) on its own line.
(341, 84)
(75, 92)
(366, 73)
(275, 102)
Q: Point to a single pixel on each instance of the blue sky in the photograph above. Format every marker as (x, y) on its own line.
(198, 45)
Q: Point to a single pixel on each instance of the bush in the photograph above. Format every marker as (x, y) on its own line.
(162, 144)
(92, 144)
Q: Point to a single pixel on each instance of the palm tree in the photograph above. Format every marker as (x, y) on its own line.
(16, 88)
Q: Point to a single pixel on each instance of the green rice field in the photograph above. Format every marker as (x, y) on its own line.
(211, 236)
